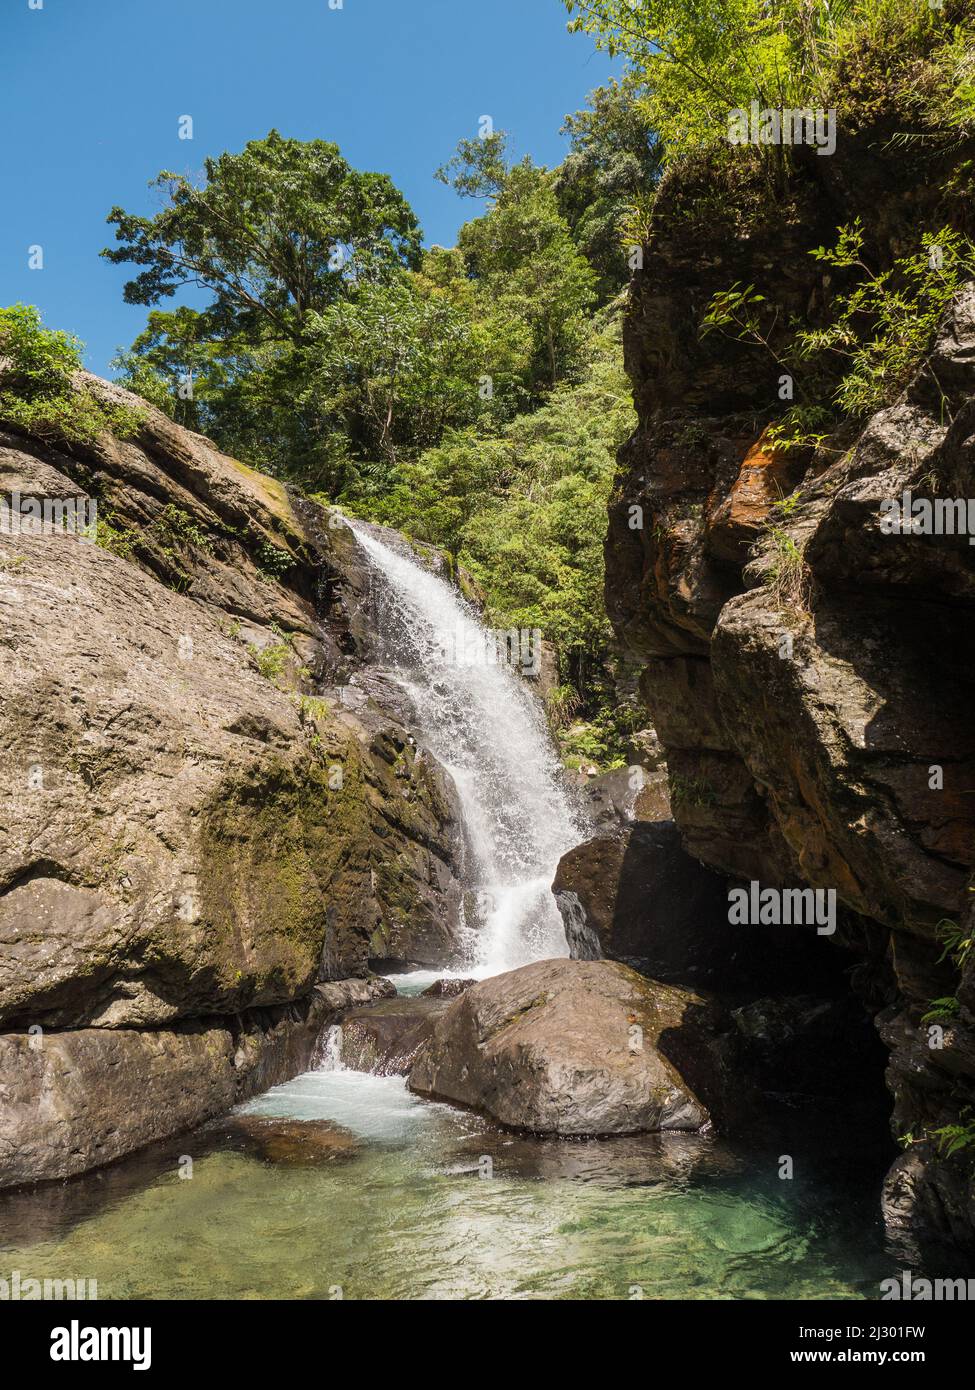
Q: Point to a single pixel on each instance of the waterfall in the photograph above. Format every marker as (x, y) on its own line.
(487, 729)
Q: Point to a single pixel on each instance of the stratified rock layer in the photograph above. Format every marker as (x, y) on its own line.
(78, 1099)
(815, 713)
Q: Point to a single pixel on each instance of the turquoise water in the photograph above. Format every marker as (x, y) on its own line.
(433, 1203)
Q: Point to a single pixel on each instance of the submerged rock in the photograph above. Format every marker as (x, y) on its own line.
(292, 1143)
(579, 1048)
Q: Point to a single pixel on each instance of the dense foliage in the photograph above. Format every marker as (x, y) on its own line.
(37, 390)
(524, 510)
(473, 396)
(701, 59)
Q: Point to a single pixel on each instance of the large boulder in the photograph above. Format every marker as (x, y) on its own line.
(580, 1048)
(614, 799)
(191, 829)
(639, 898)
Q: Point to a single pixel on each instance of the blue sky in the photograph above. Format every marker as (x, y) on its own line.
(93, 91)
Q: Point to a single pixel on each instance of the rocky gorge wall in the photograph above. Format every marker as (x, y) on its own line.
(208, 809)
(818, 732)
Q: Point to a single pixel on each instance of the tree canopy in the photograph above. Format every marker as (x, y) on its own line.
(276, 232)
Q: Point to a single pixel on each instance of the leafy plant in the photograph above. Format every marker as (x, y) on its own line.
(954, 1138)
(885, 326)
(788, 577)
(270, 660)
(958, 942)
(273, 562)
(312, 708)
(698, 62)
(879, 337)
(175, 528)
(122, 541)
(691, 791)
(942, 1010)
(38, 393)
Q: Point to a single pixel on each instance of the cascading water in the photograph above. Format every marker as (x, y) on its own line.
(487, 729)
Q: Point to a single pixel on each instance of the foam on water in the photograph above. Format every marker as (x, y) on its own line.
(376, 1108)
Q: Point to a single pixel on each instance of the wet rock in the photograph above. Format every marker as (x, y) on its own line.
(290, 1143)
(195, 833)
(615, 799)
(633, 1159)
(447, 988)
(579, 1048)
(384, 1037)
(75, 1100)
(926, 1198)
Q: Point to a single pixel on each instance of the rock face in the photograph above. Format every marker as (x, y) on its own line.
(617, 798)
(638, 897)
(809, 676)
(385, 1037)
(203, 816)
(578, 1048)
(75, 1100)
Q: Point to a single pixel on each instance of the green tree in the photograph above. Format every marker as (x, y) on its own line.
(395, 360)
(281, 230)
(523, 256)
(479, 168)
(698, 60)
(179, 367)
(524, 510)
(41, 390)
(611, 169)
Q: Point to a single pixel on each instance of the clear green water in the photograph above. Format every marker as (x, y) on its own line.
(409, 1216)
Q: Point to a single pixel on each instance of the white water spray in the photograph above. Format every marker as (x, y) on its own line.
(486, 728)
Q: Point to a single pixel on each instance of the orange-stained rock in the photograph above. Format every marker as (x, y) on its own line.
(766, 476)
